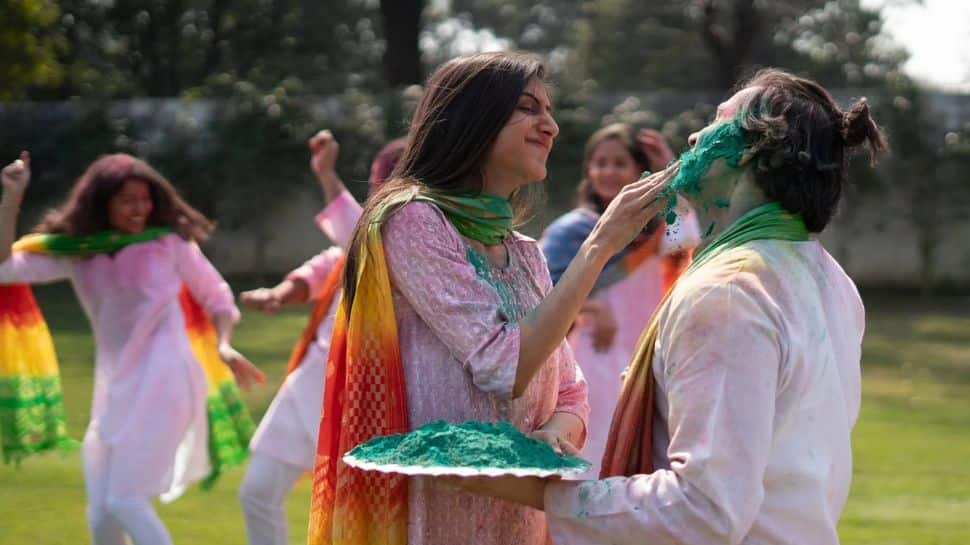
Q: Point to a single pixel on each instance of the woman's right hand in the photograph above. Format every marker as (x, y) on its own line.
(270, 300)
(16, 176)
(261, 299)
(655, 147)
(631, 209)
(324, 150)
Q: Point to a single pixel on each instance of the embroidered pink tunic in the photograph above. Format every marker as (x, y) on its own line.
(289, 429)
(148, 424)
(457, 321)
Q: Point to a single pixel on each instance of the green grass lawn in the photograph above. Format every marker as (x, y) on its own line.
(912, 441)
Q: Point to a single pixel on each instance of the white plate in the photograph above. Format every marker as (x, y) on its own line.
(462, 471)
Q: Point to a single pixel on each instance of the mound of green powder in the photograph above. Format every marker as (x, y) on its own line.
(469, 444)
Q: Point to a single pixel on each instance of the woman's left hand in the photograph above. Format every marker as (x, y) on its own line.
(559, 444)
(655, 147)
(245, 372)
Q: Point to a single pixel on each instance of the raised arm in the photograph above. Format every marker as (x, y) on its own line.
(15, 178)
(337, 221)
(324, 151)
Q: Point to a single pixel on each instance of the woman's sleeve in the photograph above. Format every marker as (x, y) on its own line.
(339, 218)
(316, 270)
(203, 280)
(428, 265)
(31, 268)
(573, 390)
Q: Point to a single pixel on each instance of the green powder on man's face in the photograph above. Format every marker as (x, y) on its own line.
(723, 141)
(469, 444)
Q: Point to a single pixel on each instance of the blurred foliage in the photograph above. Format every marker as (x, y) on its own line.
(632, 45)
(261, 76)
(924, 178)
(30, 43)
(129, 48)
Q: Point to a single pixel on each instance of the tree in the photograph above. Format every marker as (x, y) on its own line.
(132, 48)
(626, 45)
(402, 26)
(924, 181)
(29, 46)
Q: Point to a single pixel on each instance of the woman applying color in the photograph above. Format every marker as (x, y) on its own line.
(448, 313)
(735, 418)
(124, 240)
(633, 282)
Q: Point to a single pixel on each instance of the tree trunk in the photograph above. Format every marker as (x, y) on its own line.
(213, 53)
(729, 37)
(402, 57)
(927, 239)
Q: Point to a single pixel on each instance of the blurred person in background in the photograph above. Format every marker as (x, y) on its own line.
(126, 242)
(284, 445)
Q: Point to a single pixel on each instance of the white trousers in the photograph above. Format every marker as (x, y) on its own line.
(263, 491)
(112, 516)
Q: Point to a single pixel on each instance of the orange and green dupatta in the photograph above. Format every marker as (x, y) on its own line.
(365, 393)
(31, 409)
(629, 446)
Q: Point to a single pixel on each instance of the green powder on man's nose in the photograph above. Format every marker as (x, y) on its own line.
(469, 444)
(723, 141)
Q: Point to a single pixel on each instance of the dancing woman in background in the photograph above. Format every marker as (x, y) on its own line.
(165, 410)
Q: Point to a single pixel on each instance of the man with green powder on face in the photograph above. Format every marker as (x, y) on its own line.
(735, 417)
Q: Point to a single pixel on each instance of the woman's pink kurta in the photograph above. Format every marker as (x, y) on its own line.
(457, 319)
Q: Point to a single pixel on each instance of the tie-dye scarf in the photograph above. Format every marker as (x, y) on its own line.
(31, 409)
(629, 447)
(365, 393)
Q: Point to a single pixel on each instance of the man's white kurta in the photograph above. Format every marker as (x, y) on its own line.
(758, 387)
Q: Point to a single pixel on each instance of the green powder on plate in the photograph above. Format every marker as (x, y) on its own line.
(469, 444)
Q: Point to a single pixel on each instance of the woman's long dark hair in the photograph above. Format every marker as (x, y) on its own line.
(85, 212)
(801, 140)
(466, 103)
